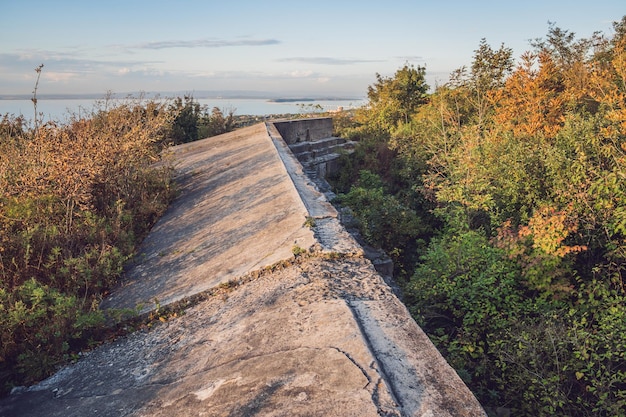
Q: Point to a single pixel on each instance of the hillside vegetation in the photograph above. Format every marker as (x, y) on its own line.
(75, 200)
(501, 197)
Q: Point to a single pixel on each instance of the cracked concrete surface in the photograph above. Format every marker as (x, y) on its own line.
(320, 335)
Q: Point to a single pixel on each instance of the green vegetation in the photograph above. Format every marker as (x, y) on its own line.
(501, 197)
(309, 222)
(298, 251)
(193, 121)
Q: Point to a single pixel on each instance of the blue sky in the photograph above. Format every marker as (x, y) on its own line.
(286, 47)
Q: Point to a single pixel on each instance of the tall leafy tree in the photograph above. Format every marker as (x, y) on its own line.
(394, 99)
(488, 72)
(187, 115)
(531, 102)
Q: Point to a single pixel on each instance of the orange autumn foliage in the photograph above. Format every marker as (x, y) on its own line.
(531, 102)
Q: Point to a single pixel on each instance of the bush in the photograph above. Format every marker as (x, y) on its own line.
(466, 293)
(384, 221)
(76, 199)
(534, 355)
(37, 325)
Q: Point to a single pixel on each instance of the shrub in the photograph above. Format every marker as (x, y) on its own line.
(534, 355)
(384, 221)
(75, 200)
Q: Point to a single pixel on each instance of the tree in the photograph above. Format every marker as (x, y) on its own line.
(394, 99)
(566, 51)
(217, 123)
(531, 102)
(489, 71)
(185, 125)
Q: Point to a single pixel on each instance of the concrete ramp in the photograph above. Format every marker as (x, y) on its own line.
(238, 211)
(318, 333)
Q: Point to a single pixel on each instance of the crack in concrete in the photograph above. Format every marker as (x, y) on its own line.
(376, 387)
(355, 363)
(381, 369)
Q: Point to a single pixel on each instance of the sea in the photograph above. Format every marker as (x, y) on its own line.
(59, 110)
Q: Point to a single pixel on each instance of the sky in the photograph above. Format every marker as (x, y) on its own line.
(287, 48)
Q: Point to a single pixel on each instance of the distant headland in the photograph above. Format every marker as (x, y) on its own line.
(301, 99)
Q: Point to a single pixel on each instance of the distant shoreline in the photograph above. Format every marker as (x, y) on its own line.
(296, 100)
(58, 108)
(196, 95)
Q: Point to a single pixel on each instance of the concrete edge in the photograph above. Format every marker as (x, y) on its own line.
(418, 376)
(405, 355)
(314, 201)
(329, 232)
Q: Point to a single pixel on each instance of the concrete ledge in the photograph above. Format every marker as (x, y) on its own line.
(329, 232)
(301, 130)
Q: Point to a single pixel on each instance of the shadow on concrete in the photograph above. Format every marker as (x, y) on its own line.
(257, 404)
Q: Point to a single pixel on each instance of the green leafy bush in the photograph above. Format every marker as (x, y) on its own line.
(37, 325)
(384, 221)
(536, 356)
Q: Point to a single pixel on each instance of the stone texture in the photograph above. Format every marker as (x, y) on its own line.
(320, 334)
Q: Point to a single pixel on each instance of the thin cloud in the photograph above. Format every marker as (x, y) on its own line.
(301, 74)
(411, 58)
(204, 43)
(323, 60)
(24, 60)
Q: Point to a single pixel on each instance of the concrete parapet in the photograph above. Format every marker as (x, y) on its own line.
(304, 130)
(312, 143)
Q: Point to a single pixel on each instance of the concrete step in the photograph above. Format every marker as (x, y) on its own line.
(305, 154)
(309, 146)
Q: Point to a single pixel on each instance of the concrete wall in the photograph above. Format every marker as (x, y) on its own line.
(313, 143)
(294, 131)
